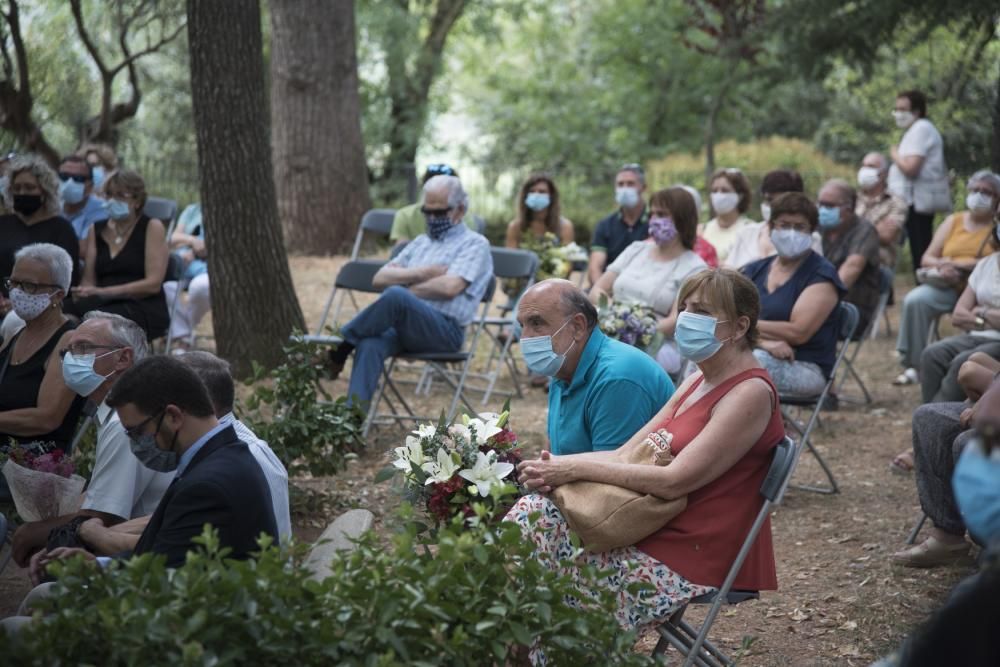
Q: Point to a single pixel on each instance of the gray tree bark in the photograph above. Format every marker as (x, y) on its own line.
(319, 154)
(254, 307)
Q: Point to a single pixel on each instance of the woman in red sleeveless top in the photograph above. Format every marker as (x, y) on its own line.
(725, 421)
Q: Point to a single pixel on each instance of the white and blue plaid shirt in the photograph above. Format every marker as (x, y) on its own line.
(466, 254)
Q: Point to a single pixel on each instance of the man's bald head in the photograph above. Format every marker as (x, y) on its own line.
(876, 160)
(840, 191)
(563, 296)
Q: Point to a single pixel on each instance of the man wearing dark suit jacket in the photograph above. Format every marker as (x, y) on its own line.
(171, 424)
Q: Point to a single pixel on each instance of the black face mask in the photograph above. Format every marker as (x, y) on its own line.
(27, 205)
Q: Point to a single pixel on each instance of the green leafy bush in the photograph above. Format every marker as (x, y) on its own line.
(474, 601)
(290, 409)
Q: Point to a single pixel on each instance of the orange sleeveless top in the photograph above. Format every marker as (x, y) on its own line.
(701, 543)
(963, 245)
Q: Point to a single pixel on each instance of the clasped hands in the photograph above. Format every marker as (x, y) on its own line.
(548, 471)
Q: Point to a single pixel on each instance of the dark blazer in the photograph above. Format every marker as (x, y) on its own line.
(224, 486)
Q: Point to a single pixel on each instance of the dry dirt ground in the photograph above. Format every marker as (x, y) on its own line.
(839, 602)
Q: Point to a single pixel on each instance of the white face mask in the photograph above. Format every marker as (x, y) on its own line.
(790, 243)
(724, 202)
(627, 197)
(903, 119)
(868, 177)
(765, 211)
(979, 202)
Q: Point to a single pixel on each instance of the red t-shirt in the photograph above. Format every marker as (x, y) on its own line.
(701, 543)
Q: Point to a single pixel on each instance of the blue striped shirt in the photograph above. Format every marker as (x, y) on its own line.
(467, 255)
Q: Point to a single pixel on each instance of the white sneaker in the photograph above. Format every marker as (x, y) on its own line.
(909, 376)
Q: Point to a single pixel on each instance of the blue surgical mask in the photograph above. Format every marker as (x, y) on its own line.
(79, 374)
(117, 209)
(71, 192)
(97, 176)
(791, 243)
(695, 336)
(437, 225)
(539, 356)
(977, 491)
(829, 217)
(537, 201)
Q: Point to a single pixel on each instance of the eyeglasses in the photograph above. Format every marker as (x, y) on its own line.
(982, 191)
(81, 349)
(64, 176)
(26, 286)
(799, 227)
(134, 432)
(435, 212)
(120, 194)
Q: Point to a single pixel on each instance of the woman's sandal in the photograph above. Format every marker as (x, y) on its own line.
(903, 463)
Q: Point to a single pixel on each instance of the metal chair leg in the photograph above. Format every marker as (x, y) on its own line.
(916, 529)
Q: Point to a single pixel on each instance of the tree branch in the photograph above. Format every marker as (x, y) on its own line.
(152, 48)
(88, 43)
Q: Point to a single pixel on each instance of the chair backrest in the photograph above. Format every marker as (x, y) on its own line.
(491, 288)
(886, 275)
(780, 470)
(164, 209)
(377, 222)
(358, 275)
(849, 318)
(514, 263)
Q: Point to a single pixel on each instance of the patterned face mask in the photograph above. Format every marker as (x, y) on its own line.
(29, 306)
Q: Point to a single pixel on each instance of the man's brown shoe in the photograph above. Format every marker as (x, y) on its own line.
(932, 552)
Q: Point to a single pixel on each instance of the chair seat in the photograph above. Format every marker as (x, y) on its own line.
(806, 401)
(434, 356)
(318, 340)
(734, 597)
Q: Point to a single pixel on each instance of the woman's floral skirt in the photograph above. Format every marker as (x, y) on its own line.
(628, 565)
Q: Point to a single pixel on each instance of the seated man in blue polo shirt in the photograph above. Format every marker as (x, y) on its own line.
(76, 191)
(432, 290)
(629, 223)
(602, 391)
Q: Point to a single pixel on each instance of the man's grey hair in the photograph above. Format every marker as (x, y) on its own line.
(846, 189)
(217, 376)
(47, 179)
(882, 160)
(575, 301)
(124, 332)
(457, 196)
(634, 169)
(56, 260)
(985, 175)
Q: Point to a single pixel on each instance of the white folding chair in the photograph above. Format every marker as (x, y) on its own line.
(693, 643)
(437, 362)
(848, 323)
(508, 263)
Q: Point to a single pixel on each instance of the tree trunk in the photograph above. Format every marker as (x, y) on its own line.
(254, 307)
(995, 157)
(319, 156)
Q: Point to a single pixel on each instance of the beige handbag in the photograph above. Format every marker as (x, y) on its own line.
(606, 516)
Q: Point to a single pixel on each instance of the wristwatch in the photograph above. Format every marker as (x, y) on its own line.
(980, 322)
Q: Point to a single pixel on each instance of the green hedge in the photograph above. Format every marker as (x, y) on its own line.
(482, 595)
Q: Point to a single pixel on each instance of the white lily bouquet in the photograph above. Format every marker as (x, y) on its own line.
(446, 467)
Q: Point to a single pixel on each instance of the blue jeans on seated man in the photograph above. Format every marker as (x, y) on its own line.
(397, 322)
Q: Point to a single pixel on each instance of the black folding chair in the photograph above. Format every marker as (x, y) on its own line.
(848, 323)
(886, 276)
(163, 209)
(355, 276)
(508, 263)
(437, 363)
(377, 223)
(693, 643)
